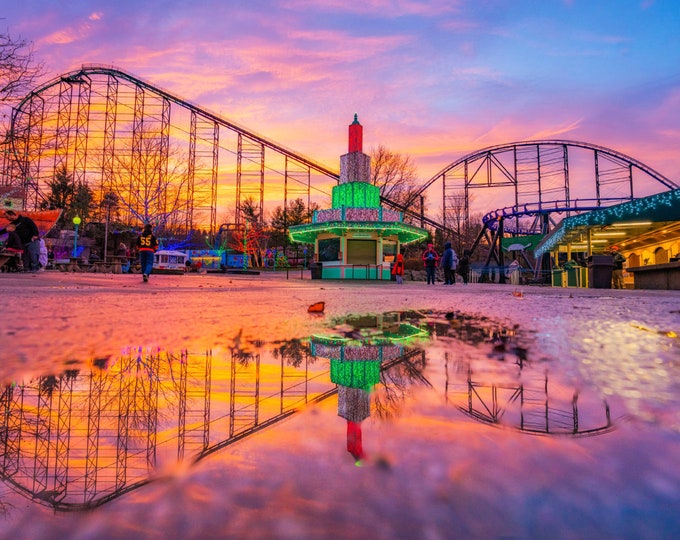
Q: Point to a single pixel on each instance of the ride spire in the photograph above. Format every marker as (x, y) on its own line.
(356, 135)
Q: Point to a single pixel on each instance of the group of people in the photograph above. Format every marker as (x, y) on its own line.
(24, 241)
(449, 262)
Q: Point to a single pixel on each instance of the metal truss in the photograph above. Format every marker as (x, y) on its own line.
(94, 415)
(195, 379)
(83, 438)
(93, 123)
(244, 392)
(294, 381)
(538, 414)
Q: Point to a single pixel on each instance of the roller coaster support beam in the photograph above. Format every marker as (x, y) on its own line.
(499, 246)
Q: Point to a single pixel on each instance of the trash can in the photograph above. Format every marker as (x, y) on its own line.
(558, 277)
(573, 272)
(316, 268)
(600, 271)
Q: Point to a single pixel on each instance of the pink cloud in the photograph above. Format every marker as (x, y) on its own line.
(80, 31)
(387, 8)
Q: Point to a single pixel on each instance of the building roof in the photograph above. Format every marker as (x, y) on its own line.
(621, 224)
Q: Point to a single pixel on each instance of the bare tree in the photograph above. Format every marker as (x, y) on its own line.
(151, 180)
(18, 67)
(18, 72)
(394, 174)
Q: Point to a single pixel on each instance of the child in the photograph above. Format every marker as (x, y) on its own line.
(398, 269)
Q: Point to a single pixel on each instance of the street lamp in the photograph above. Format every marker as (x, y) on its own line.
(245, 245)
(109, 202)
(76, 222)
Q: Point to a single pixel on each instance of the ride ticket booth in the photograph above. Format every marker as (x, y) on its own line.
(357, 238)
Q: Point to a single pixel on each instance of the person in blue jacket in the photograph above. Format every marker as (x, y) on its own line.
(430, 260)
(449, 264)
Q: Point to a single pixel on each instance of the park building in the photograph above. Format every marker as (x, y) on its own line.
(357, 238)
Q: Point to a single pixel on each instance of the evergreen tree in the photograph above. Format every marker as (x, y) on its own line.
(64, 194)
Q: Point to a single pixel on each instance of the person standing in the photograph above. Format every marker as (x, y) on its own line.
(449, 264)
(430, 260)
(398, 269)
(43, 258)
(147, 246)
(29, 235)
(464, 266)
(124, 253)
(617, 271)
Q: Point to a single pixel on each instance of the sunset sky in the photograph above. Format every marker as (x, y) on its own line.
(433, 80)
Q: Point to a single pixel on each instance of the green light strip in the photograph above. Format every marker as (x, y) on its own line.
(406, 233)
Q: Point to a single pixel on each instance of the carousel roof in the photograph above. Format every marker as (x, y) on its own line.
(405, 232)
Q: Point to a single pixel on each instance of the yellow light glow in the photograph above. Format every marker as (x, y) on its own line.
(632, 224)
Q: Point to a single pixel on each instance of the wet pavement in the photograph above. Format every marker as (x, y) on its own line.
(412, 411)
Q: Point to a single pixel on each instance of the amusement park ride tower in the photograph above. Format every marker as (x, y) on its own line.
(356, 238)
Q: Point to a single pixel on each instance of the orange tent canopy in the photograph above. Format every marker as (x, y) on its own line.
(44, 219)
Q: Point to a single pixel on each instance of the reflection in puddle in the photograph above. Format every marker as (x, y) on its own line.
(530, 407)
(513, 392)
(84, 437)
(365, 348)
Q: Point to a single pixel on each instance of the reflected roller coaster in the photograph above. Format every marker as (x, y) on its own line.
(95, 124)
(83, 437)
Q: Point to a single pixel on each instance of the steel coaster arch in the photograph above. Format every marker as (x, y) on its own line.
(80, 119)
(538, 175)
(539, 172)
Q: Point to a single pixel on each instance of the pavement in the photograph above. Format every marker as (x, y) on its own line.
(51, 318)
(433, 472)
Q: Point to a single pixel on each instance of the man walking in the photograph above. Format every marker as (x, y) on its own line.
(147, 245)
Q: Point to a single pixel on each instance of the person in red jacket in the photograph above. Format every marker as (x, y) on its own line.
(398, 269)
(147, 245)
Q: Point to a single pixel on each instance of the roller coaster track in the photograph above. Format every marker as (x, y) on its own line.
(81, 120)
(84, 119)
(491, 151)
(538, 174)
(80, 77)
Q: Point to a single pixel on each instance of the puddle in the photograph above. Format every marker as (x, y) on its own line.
(83, 437)
(463, 404)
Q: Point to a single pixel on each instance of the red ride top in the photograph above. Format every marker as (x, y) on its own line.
(356, 135)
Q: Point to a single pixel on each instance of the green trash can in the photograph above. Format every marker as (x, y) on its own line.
(558, 277)
(573, 272)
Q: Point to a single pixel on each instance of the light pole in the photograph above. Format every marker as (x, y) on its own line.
(245, 245)
(76, 222)
(109, 202)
